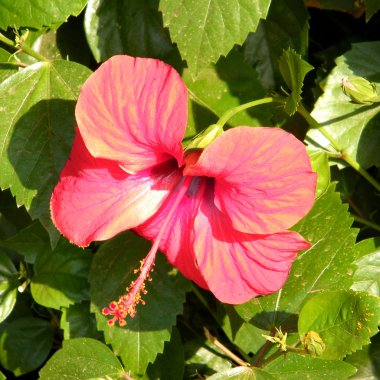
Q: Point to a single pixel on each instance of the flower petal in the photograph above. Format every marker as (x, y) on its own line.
(263, 178)
(95, 199)
(238, 266)
(133, 110)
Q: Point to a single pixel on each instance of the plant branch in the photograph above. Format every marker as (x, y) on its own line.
(233, 111)
(20, 44)
(223, 348)
(366, 222)
(343, 154)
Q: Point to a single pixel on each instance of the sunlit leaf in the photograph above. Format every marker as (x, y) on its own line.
(24, 344)
(83, 359)
(320, 165)
(126, 27)
(293, 70)
(345, 320)
(60, 276)
(353, 126)
(37, 13)
(139, 342)
(367, 274)
(296, 367)
(36, 132)
(243, 373)
(8, 286)
(206, 29)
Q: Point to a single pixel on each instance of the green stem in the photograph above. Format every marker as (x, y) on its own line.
(366, 222)
(24, 47)
(233, 111)
(343, 155)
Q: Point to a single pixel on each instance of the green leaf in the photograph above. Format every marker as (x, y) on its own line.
(204, 358)
(220, 87)
(8, 286)
(111, 273)
(367, 361)
(352, 125)
(293, 70)
(60, 276)
(36, 132)
(320, 165)
(126, 27)
(243, 373)
(327, 265)
(28, 242)
(371, 7)
(170, 364)
(296, 367)
(24, 344)
(345, 320)
(82, 359)
(37, 13)
(206, 29)
(367, 276)
(286, 26)
(7, 65)
(77, 321)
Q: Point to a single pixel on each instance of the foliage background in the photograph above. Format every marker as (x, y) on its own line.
(228, 53)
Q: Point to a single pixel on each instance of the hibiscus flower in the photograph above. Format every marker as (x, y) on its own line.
(220, 215)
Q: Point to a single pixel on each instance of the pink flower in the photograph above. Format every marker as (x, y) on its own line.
(220, 215)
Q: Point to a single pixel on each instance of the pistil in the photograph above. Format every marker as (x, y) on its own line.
(126, 305)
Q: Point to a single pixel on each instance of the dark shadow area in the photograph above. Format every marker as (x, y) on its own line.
(269, 320)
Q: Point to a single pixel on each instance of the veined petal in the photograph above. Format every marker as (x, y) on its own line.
(263, 178)
(178, 238)
(95, 199)
(237, 266)
(134, 111)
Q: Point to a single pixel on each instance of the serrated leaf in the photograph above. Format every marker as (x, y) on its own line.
(36, 132)
(60, 276)
(296, 367)
(82, 359)
(221, 87)
(8, 286)
(37, 13)
(293, 70)
(327, 265)
(353, 126)
(24, 344)
(28, 242)
(286, 25)
(367, 275)
(111, 273)
(126, 27)
(367, 361)
(77, 321)
(206, 29)
(345, 320)
(170, 364)
(243, 373)
(320, 165)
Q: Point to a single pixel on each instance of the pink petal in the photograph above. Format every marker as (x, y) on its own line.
(263, 178)
(95, 199)
(133, 110)
(204, 246)
(238, 266)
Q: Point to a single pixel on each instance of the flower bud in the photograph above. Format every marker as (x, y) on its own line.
(360, 90)
(313, 343)
(206, 137)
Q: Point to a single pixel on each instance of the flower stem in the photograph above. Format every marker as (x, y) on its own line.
(343, 154)
(24, 47)
(366, 222)
(233, 111)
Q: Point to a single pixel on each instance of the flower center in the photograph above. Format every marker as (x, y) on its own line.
(126, 305)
